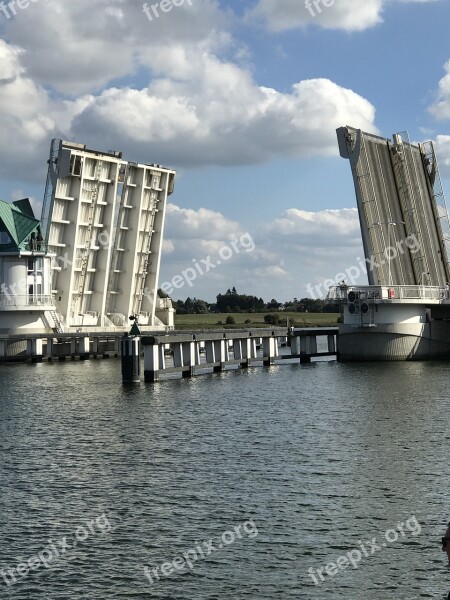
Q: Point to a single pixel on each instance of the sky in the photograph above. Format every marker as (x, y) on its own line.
(243, 100)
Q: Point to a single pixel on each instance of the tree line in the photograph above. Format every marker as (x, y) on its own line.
(232, 302)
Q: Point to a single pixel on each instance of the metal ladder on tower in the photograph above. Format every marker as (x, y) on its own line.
(88, 243)
(58, 328)
(145, 257)
(53, 321)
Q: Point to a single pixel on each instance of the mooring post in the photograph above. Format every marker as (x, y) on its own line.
(131, 364)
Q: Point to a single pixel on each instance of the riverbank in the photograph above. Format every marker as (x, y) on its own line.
(215, 320)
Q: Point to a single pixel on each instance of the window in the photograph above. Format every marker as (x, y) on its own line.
(4, 238)
(75, 164)
(34, 265)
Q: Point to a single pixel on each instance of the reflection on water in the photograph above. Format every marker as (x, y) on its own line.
(323, 458)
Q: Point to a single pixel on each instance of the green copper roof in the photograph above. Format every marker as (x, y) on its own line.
(18, 222)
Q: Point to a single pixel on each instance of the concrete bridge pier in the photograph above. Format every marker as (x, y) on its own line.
(35, 349)
(217, 352)
(84, 348)
(154, 362)
(270, 350)
(49, 348)
(244, 349)
(186, 355)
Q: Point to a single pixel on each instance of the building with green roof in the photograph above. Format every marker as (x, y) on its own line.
(26, 299)
(19, 229)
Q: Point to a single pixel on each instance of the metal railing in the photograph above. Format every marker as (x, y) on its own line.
(12, 300)
(35, 246)
(393, 292)
(164, 303)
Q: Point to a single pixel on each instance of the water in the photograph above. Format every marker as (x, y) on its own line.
(306, 462)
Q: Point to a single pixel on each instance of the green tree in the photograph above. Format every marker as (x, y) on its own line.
(271, 319)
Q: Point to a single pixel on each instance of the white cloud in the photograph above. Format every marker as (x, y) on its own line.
(191, 107)
(316, 246)
(221, 116)
(24, 117)
(82, 46)
(353, 15)
(440, 109)
(215, 113)
(298, 248)
(442, 146)
(306, 226)
(202, 226)
(350, 15)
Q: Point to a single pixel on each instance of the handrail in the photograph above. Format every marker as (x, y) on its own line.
(392, 292)
(34, 245)
(25, 300)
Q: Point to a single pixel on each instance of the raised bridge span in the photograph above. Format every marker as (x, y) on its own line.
(402, 208)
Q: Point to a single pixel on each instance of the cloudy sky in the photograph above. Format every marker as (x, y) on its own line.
(243, 99)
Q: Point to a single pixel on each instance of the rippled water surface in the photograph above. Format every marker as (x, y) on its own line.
(299, 464)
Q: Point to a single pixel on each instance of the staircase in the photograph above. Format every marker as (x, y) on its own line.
(57, 326)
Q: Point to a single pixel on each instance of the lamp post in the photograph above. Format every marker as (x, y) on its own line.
(389, 223)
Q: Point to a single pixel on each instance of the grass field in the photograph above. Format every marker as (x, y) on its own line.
(211, 320)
